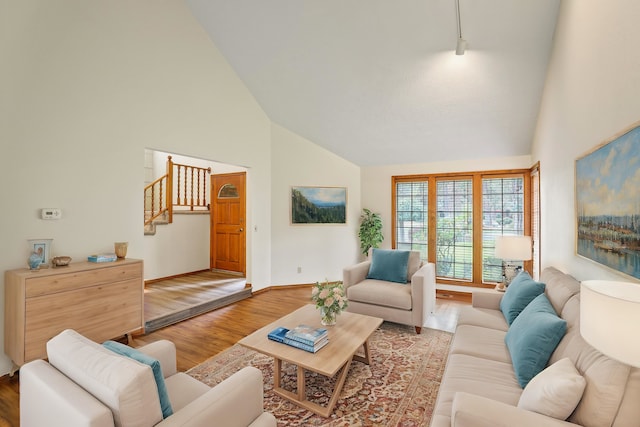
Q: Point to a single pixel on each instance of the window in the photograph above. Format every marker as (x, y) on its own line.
(453, 220)
(502, 214)
(454, 229)
(412, 221)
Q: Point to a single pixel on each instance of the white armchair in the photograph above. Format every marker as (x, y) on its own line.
(409, 303)
(86, 385)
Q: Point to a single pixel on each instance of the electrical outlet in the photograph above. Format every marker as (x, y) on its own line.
(299, 269)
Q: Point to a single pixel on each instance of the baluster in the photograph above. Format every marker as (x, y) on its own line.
(161, 193)
(178, 186)
(184, 202)
(198, 189)
(191, 190)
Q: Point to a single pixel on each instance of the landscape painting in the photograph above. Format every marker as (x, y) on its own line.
(608, 204)
(318, 205)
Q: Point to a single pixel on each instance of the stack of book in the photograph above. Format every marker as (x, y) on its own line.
(303, 337)
(102, 258)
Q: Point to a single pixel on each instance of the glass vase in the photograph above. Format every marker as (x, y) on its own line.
(327, 317)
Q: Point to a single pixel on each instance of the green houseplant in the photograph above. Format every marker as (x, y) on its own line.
(370, 232)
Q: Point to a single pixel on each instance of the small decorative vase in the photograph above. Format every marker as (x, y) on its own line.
(34, 261)
(327, 317)
(120, 249)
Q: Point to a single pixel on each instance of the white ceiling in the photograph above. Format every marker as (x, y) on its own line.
(377, 81)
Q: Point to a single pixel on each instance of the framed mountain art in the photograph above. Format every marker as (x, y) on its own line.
(608, 203)
(318, 205)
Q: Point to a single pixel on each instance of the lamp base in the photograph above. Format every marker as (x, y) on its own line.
(509, 272)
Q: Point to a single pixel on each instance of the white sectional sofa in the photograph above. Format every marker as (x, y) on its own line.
(480, 386)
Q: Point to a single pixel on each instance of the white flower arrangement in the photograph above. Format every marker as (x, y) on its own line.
(329, 298)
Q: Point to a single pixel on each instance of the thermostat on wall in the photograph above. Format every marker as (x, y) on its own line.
(51, 213)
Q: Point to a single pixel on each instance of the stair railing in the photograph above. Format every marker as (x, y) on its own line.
(190, 185)
(155, 200)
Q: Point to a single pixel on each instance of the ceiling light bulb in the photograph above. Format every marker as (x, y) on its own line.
(461, 46)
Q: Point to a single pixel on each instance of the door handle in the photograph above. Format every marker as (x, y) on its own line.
(242, 229)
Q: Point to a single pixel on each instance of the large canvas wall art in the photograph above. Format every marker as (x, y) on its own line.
(318, 205)
(608, 203)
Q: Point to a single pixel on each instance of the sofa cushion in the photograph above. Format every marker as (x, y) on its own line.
(184, 389)
(532, 337)
(481, 342)
(380, 292)
(484, 377)
(390, 265)
(414, 264)
(559, 287)
(484, 317)
(154, 364)
(125, 386)
(555, 391)
(522, 290)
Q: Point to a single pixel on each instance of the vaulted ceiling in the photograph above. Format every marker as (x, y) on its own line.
(377, 82)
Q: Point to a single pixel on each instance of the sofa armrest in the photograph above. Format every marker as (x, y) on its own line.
(486, 299)
(165, 352)
(470, 410)
(423, 293)
(355, 274)
(236, 401)
(49, 398)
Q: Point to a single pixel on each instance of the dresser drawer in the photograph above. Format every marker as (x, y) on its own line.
(99, 313)
(37, 286)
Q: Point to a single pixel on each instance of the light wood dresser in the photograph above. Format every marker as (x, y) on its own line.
(99, 300)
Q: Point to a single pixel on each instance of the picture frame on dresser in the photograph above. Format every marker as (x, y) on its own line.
(43, 248)
(608, 203)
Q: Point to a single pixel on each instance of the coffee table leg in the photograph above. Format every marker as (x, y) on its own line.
(367, 354)
(300, 398)
(277, 372)
(302, 386)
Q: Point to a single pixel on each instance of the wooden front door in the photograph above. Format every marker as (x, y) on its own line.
(228, 241)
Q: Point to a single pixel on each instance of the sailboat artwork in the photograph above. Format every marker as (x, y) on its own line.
(608, 203)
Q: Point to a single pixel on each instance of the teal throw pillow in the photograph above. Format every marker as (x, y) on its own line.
(522, 290)
(390, 265)
(532, 337)
(125, 350)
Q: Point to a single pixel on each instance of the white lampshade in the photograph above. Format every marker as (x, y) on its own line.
(517, 248)
(609, 318)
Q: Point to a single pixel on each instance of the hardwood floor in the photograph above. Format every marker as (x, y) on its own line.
(203, 336)
(175, 299)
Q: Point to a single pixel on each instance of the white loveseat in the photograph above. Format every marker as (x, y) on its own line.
(87, 385)
(480, 388)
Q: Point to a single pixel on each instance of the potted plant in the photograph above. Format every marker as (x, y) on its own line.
(370, 233)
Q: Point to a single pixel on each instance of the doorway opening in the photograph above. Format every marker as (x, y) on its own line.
(187, 269)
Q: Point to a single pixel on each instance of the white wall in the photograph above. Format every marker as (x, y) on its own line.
(86, 86)
(376, 181)
(591, 94)
(320, 250)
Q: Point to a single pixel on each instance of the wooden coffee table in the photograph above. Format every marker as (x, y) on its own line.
(351, 332)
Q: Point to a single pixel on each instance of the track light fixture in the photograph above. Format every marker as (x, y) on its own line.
(462, 43)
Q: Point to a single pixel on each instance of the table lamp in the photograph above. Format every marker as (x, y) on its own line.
(609, 318)
(510, 249)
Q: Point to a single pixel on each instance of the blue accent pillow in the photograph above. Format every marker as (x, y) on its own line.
(522, 290)
(532, 337)
(125, 350)
(390, 265)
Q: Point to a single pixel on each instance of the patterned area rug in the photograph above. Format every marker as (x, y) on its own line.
(398, 389)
